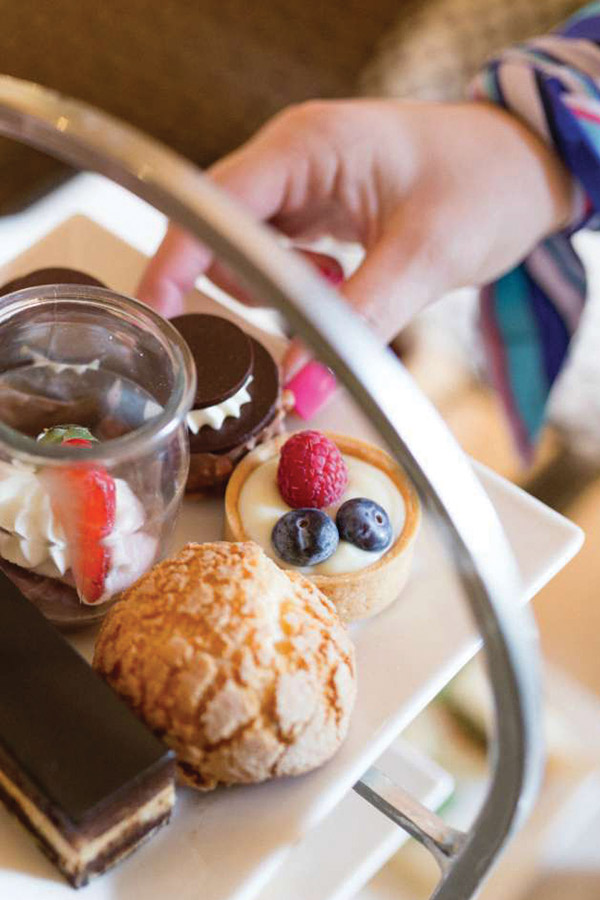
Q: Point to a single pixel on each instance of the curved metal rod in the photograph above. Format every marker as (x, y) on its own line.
(414, 432)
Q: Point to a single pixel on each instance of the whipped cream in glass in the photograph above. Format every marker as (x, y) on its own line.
(33, 538)
(261, 505)
(82, 354)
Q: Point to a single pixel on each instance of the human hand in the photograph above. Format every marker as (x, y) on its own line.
(440, 197)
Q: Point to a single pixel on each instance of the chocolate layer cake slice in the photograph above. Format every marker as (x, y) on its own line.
(86, 777)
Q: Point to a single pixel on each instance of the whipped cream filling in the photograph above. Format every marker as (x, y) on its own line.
(32, 537)
(261, 505)
(216, 415)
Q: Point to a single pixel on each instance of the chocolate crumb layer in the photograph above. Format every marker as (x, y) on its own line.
(55, 598)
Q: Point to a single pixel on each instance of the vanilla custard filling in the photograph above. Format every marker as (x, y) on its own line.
(261, 505)
(31, 536)
(216, 415)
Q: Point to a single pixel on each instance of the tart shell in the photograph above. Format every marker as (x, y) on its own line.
(366, 592)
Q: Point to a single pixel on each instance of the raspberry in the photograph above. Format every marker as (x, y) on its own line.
(312, 472)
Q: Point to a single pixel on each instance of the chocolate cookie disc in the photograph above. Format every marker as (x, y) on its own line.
(49, 276)
(254, 416)
(223, 354)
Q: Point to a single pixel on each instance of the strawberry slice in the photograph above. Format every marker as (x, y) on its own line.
(84, 502)
(85, 507)
(77, 442)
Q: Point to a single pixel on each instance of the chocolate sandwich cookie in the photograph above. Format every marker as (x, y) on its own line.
(42, 277)
(238, 402)
(253, 415)
(87, 779)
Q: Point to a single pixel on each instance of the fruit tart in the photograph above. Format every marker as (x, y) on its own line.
(337, 509)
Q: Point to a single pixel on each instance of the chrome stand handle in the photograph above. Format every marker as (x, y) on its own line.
(412, 429)
(443, 842)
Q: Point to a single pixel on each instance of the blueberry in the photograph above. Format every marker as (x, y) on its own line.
(305, 537)
(365, 524)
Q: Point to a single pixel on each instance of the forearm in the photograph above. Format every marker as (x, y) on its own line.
(552, 86)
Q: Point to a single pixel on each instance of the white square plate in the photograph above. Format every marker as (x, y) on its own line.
(226, 845)
(341, 854)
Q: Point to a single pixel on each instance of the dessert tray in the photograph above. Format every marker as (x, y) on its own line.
(229, 844)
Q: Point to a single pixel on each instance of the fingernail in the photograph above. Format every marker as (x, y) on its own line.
(312, 386)
(328, 266)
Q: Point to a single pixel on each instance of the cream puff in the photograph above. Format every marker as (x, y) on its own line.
(244, 670)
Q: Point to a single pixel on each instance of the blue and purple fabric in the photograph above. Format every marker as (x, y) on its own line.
(529, 315)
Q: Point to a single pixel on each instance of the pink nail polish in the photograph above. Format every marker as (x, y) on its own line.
(328, 266)
(312, 386)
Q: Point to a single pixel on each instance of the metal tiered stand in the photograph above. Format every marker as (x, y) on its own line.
(412, 430)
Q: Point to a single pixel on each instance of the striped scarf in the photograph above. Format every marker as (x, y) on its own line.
(529, 315)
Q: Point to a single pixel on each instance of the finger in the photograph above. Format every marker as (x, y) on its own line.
(296, 356)
(399, 276)
(390, 286)
(172, 272)
(328, 266)
(387, 290)
(221, 276)
(257, 176)
(225, 279)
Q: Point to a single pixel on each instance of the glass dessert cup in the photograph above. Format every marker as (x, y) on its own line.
(79, 524)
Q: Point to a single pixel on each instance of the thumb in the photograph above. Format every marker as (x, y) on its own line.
(398, 277)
